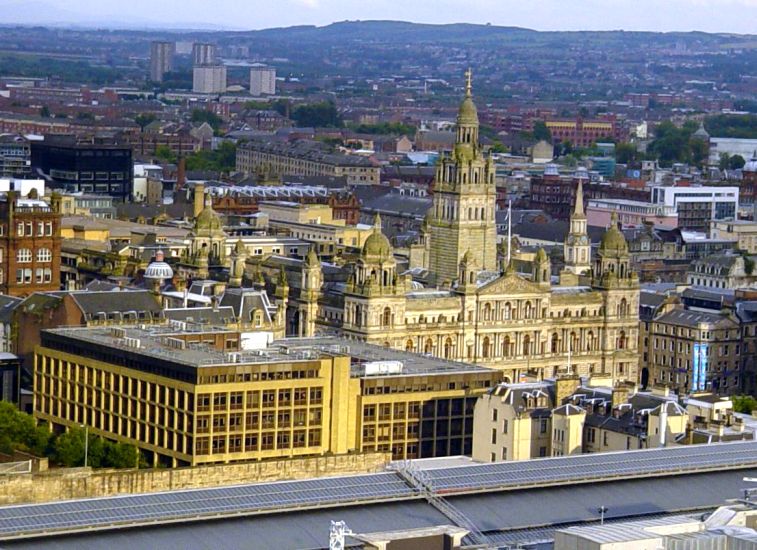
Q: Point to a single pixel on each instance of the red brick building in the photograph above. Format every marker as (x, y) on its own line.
(29, 245)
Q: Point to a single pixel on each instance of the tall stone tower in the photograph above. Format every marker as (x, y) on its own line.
(577, 247)
(619, 286)
(462, 213)
(312, 280)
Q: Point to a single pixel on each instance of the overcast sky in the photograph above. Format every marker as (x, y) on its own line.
(657, 15)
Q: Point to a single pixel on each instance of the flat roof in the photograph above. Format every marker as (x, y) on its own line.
(641, 482)
(158, 341)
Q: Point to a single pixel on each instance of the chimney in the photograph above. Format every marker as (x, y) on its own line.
(199, 200)
(565, 386)
(619, 395)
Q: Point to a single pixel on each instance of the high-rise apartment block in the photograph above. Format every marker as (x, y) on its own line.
(262, 80)
(161, 59)
(209, 79)
(204, 54)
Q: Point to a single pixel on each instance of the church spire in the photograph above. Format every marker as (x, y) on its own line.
(578, 208)
(468, 83)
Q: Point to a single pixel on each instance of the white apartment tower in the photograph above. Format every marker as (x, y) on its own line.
(262, 80)
(161, 59)
(209, 79)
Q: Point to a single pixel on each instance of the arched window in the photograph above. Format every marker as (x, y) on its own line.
(409, 345)
(622, 340)
(623, 308)
(526, 344)
(507, 312)
(428, 348)
(506, 347)
(448, 348)
(555, 345)
(386, 319)
(574, 342)
(528, 310)
(485, 348)
(487, 312)
(590, 341)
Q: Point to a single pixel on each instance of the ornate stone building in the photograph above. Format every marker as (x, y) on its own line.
(479, 312)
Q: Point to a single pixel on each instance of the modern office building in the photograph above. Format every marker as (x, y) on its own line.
(698, 206)
(91, 166)
(15, 156)
(262, 80)
(161, 59)
(188, 394)
(209, 79)
(204, 54)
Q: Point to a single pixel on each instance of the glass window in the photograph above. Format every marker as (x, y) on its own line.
(24, 255)
(44, 255)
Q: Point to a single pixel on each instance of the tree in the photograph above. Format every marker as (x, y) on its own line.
(164, 153)
(736, 162)
(44, 112)
(121, 455)
(201, 115)
(541, 131)
(625, 153)
(143, 119)
(700, 151)
(19, 431)
(323, 114)
(223, 159)
(68, 448)
(744, 403)
(724, 161)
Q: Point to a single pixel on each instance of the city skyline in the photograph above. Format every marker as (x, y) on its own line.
(721, 16)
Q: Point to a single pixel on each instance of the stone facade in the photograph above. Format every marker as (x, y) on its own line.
(75, 483)
(479, 312)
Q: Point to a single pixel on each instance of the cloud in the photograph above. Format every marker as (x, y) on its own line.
(310, 4)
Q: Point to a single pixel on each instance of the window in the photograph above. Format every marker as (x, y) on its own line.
(48, 229)
(44, 255)
(504, 426)
(494, 415)
(40, 229)
(23, 255)
(494, 436)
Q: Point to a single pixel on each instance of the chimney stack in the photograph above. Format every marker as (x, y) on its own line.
(199, 200)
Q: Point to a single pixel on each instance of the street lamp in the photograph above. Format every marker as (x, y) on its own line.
(86, 442)
(602, 511)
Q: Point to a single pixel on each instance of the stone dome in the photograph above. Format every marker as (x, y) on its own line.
(311, 259)
(208, 219)
(159, 269)
(613, 240)
(467, 114)
(377, 245)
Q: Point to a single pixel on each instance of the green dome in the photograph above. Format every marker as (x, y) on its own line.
(467, 114)
(377, 245)
(208, 219)
(613, 240)
(541, 256)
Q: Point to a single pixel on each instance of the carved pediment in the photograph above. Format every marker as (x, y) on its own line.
(511, 283)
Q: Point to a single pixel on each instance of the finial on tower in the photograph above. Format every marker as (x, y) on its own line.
(468, 82)
(578, 208)
(377, 223)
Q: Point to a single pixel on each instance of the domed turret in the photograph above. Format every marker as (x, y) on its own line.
(159, 270)
(377, 245)
(613, 240)
(208, 220)
(311, 259)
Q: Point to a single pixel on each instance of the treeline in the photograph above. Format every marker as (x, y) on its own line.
(69, 71)
(732, 126)
(20, 432)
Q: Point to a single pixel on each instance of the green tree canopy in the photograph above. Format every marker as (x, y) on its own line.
(201, 115)
(164, 153)
(744, 403)
(541, 132)
(736, 162)
(19, 432)
(223, 159)
(733, 126)
(323, 114)
(143, 119)
(626, 153)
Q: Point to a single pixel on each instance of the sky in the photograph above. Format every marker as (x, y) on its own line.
(738, 16)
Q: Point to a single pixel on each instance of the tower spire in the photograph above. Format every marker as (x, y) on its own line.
(468, 83)
(578, 208)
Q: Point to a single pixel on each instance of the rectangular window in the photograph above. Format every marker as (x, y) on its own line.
(504, 426)
(494, 436)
